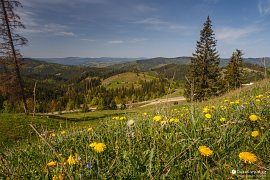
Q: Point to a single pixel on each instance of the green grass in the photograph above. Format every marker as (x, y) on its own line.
(143, 147)
(15, 127)
(126, 79)
(178, 92)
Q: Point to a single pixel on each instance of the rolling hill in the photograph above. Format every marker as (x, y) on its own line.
(134, 64)
(127, 79)
(93, 62)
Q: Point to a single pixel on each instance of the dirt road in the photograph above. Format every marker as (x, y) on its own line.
(157, 101)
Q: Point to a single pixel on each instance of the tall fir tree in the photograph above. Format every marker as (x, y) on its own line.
(234, 70)
(9, 40)
(203, 78)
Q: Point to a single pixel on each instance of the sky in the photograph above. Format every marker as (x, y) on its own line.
(142, 28)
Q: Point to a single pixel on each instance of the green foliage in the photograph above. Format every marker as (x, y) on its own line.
(252, 72)
(175, 72)
(203, 79)
(234, 70)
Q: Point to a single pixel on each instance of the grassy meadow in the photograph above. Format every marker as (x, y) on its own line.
(127, 79)
(224, 138)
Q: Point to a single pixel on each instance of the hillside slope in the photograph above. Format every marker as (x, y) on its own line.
(209, 142)
(127, 80)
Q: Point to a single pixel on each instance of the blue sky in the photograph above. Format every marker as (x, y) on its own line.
(142, 28)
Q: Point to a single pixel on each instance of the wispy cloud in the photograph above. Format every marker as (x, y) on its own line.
(67, 34)
(144, 8)
(33, 27)
(116, 42)
(230, 34)
(86, 39)
(151, 21)
(161, 25)
(135, 40)
(264, 7)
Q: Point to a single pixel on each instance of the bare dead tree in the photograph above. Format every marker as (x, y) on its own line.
(9, 39)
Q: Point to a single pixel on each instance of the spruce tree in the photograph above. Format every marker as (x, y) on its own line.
(203, 78)
(234, 74)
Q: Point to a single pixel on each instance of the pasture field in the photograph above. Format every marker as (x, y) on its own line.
(127, 79)
(224, 138)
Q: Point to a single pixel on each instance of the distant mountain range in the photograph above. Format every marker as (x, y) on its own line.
(135, 63)
(93, 62)
(170, 68)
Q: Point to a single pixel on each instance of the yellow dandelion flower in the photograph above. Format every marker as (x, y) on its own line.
(90, 129)
(213, 107)
(157, 118)
(253, 117)
(247, 157)
(53, 134)
(205, 151)
(259, 96)
(222, 119)
(232, 103)
(71, 160)
(222, 107)
(52, 164)
(176, 120)
(205, 109)
(145, 113)
(255, 133)
(59, 177)
(92, 144)
(63, 132)
(115, 118)
(226, 100)
(208, 116)
(257, 100)
(237, 102)
(123, 118)
(99, 147)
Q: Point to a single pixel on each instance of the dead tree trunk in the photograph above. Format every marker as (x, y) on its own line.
(13, 54)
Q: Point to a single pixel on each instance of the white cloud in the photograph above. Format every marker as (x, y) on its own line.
(230, 34)
(144, 8)
(26, 17)
(135, 40)
(64, 33)
(160, 25)
(116, 42)
(54, 27)
(151, 21)
(32, 27)
(86, 39)
(264, 7)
